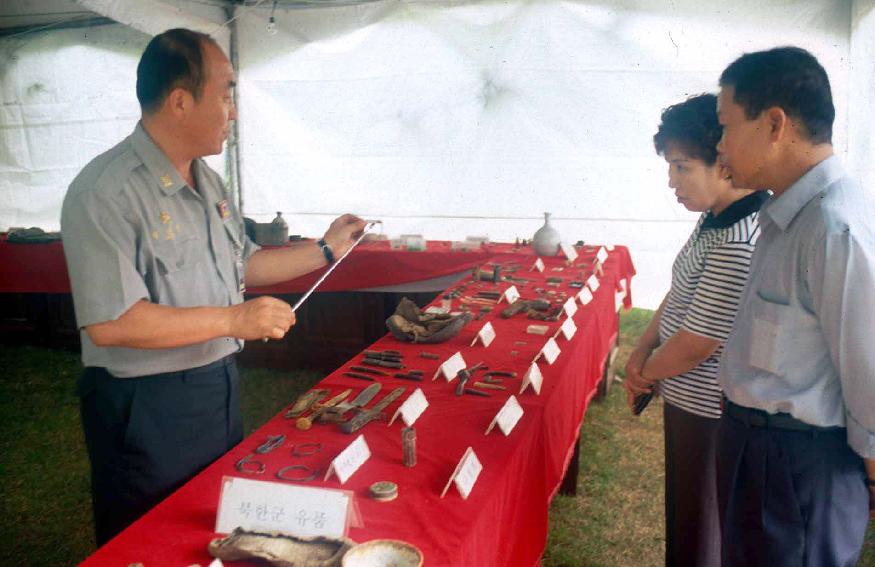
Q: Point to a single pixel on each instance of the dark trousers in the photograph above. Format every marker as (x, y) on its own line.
(692, 521)
(147, 436)
(789, 498)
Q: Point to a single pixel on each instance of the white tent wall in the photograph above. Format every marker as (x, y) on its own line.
(442, 118)
(455, 119)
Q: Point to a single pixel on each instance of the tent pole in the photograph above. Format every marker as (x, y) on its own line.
(234, 176)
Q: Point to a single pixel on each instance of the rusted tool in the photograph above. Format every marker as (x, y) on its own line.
(304, 423)
(489, 386)
(365, 416)
(360, 376)
(367, 370)
(303, 403)
(336, 413)
(474, 392)
(382, 363)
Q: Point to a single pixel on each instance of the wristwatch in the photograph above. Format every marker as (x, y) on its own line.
(326, 250)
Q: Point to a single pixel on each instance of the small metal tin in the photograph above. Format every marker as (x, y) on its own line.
(384, 491)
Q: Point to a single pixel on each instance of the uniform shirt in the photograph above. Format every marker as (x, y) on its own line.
(708, 278)
(802, 343)
(133, 229)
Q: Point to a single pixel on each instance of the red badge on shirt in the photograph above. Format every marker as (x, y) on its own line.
(222, 206)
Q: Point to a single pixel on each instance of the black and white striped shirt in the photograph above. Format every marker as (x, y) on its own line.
(708, 277)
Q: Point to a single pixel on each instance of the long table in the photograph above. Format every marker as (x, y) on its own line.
(40, 268)
(504, 520)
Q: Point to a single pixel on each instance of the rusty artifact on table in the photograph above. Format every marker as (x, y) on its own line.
(304, 423)
(336, 413)
(280, 549)
(360, 376)
(306, 400)
(365, 416)
(411, 324)
(408, 444)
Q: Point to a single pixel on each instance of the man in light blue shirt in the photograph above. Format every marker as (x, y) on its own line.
(797, 441)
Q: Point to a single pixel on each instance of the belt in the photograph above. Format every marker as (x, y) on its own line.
(764, 420)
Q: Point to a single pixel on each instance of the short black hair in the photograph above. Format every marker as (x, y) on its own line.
(786, 77)
(692, 127)
(172, 59)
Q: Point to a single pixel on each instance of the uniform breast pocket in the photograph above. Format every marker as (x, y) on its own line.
(781, 332)
(176, 255)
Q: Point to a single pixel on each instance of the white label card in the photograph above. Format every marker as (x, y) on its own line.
(511, 294)
(585, 296)
(466, 474)
(486, 335)
(273, 506)
(570, 307)
(568, 328)
(508, 416)
(550, 351)
(593, 283)
(602, 255)
(533, 378)
(569, 251)
(450, 367)
(349, 460)
(412, 408)
(538, 265)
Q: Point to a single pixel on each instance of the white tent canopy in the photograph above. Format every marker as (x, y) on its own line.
(441, 118)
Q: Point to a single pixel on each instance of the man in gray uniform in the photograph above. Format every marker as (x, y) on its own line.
(158, 257)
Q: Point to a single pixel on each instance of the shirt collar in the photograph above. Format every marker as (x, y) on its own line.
(156, 161)
(783, 209)
(736, 211)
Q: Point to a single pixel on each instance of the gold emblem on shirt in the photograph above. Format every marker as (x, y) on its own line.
(165, 217)
(166, 180)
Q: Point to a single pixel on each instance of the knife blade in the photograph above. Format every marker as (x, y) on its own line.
(337, 412)
(304, 402)
(304, 423)
(363, 417)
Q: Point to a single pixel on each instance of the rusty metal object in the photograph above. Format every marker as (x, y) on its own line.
(282, 474)
(360, 376)
(367, 370)
(429, 355)
(249, 465)
(408, 444)
(303, 403)
(336, 413)
(474, 392)
(408, 376)
(306, 449)
(489, 386)
(304, 423)
(273, 441)
(363, 417)
(382, 363)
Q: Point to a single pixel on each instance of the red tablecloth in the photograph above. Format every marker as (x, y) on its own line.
(504, 521)
(40, 268)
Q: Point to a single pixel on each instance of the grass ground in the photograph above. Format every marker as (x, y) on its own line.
(615, 520)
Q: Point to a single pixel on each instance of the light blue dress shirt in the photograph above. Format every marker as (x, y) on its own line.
(803, 339)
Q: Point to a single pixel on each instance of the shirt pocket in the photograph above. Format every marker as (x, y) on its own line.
(782, 333)
(178, 255)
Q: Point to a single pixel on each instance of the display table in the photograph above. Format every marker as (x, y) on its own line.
(504, 521)
(41, 268)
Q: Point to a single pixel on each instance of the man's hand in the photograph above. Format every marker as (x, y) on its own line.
(634, 383)
(260, 318)
(343, 232)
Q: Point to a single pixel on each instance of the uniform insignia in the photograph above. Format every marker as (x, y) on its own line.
(166, 180)
(223, 209)
(165, 217)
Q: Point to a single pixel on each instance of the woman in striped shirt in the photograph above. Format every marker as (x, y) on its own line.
(679, 352)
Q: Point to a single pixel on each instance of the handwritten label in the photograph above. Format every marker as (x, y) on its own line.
(570, 307)
(550, 351)
(569, 251)
(511, 294)
(465, 474)
(568, 328)
(508, 416)
(602, 255)
(585, 296)
(349, 460)
(533, 378)
(593, 283)
(538, 265)
(273, 506)
(411, 409)
(486, 335)
(450, 367)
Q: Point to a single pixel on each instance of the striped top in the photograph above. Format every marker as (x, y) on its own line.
(708, 277)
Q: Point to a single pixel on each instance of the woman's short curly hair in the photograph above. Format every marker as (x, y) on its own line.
(692, 127)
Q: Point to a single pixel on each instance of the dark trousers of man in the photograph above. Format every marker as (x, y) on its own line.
(147, 436)
(692, 521)
(790, 494)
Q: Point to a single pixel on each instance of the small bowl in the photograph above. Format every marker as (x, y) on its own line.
(382, 553)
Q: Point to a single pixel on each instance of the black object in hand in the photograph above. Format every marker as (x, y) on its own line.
(641, 401)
